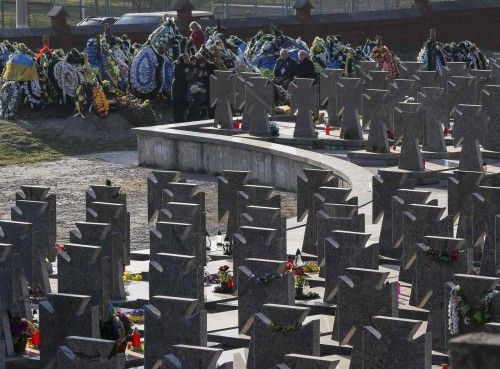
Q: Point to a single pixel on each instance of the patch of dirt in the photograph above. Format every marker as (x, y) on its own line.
(69, 177)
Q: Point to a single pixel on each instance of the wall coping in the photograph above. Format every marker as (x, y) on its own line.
(359, 179)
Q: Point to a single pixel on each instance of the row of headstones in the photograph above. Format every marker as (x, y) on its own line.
(340, 242)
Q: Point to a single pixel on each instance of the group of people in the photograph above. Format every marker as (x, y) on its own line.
(191, 84)
(286, 69)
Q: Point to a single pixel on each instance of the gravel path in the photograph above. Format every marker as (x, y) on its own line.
(71, 176)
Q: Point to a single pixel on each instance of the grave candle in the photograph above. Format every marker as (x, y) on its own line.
(327, 130)
(136, 339)
(35, 338)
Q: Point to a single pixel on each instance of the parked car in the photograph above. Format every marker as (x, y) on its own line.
(156, 17)
(93, 21)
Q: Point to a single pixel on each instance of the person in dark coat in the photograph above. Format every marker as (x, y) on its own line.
(284, 69)
(305, 67)
(180, 88)
(206, 69)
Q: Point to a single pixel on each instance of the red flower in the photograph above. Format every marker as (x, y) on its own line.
(230, 284)
(289, 265)
(299, 272)
(223, 268)
(60, 248)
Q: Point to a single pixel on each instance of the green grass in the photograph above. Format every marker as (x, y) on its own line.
(19, 145)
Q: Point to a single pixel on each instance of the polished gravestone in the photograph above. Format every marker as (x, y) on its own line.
(304, 95)
(174, 238)
(156, 183)
(460, 90)
(221, 90)
(262, 282)
(328, 93)
(279, 330)
(399, 91)
(180, 317)
(437, 117)
(262, 216)
(437, 260)
(259, 102)
(228, 186)
(349, 92)
(239, 86)
(377, 117)
(393, 343)
(345, 250)
(409, 121)
(256, 195)
(100, 234)
(92, 353)
(467, 131)
(63, 315)
(308, 183)
(386, 185)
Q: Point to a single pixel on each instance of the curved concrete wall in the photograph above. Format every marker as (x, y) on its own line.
(270, 163)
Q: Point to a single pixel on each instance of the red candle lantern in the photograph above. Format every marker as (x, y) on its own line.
(136, 339)
(327, 130)
(35, 338)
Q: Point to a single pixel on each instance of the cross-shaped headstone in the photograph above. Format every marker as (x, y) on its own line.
(308, 182)
(409, 121)
(296, 361)
(454, 69)
(491, 104)
(386, 185)
(99, 234)
(174, 238)
(328, 93)
(304, 95)
(473, 288)
(377, 116)
(261, 282)
(483, 78)
(221, 90)
(399, 90)
(105, 193)
(116, 215)
(393, 343)
(365, 66)
(41, 193)
(461, 90)
(63, 315)
(279, 330)
(460, 194)
(239, 89)
(256, 242)
(336, 217)
(433, 101)
(362, 294)
(259, 102)
(344, 250)
(261, 216)
(256, 195)
(26, 243)
(176, 275)
(192, 357)
(84, 270)
(475, 351)
(407, 69)
(87, 352)
(426, 78)
(228, 186)
(14, 295)
(349, 92)
(419, 221)
(38, 214)
(188, 213)
(485, 207)
(401, 203)
(376, 79)
(181, 317)
(438, 259)
(156, 181)
(467, 131)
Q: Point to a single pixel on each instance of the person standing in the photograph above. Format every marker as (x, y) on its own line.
(180, 88)
(305, 67)
(197, 36)
(284, 69)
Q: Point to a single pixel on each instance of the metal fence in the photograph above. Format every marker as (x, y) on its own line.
(80, 9)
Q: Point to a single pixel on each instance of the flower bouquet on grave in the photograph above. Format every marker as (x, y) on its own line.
(129, 277)
(302, 291)
(443, 256)
(226, 282)
(118, 328)
(136, 316)
(20, 330)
